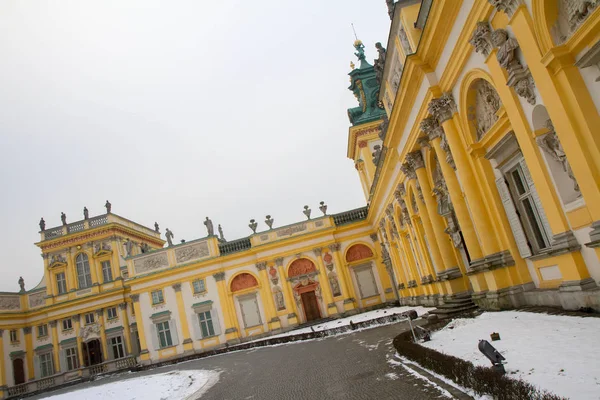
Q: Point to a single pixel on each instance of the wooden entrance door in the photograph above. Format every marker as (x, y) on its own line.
(311, 306)
(18, 371)
(92, 352)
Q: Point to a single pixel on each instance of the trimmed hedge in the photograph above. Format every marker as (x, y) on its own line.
(480, 379)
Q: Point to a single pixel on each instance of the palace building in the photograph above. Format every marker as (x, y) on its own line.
(475, 146)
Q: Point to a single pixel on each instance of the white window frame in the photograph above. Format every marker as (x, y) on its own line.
(202, 286)
(89, 318)
(67, 324)
(42, 331)
(117, 347)
(207, 323)
(157, 297)
(61, 283)
(164, 328)
(84, 274)
(14, 336)
(46, 364)
(111, 313)
(106, 271)
(71, 358)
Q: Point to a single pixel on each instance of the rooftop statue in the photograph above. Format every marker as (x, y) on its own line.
(209, 227)
(42, 224)
(86, 214)
(108, 206)
(22, 284)
(169, 235)
(63, 218)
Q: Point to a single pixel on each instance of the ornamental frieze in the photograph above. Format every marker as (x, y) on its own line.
(290, 230)
(151, 263)
(192, 252)
(10, 303)
(37, 299)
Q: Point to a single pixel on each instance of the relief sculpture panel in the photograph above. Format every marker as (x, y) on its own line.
(192, 252)
(36, 299)
(151, 263)
(10, 303)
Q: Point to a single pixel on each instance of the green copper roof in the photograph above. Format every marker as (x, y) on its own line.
(366, 90)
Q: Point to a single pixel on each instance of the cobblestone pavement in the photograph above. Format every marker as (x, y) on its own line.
(351, 367)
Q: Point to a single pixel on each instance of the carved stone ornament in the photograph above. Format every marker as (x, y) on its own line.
(135, 298)
(261, 266)
(415, 159)
(408, 171)
(57, 259)
(10, 302)
(446, 148)
(335, 247)
(389, 210)
(192, 252)
(151, 263)
(443, 108)
(317, 251)
(482, 38)
(219, 276)
(37, 299)
(519, 78)
(487, 104)
(123, 306)
(420, 192)
(279, 261)
(402, 189)
(90, 331)
(506, 6)
(376, 154)
(571, 14)
(423, 142)
(373, 237)
(431, 127)
(301, 266)
(551, 145)
(177, 287)
(243, 281)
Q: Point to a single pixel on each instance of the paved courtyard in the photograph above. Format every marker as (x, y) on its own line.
(351, 366)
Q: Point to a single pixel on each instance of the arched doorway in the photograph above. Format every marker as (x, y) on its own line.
(306, 289)
(18, 371)
(92, 352)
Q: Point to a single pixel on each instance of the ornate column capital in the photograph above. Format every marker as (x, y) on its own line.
(482, 38)
(415, 160)
(443, 108)
(334, 247)
(261, 266)
(401, 189)
(77, 317)
(279, 261)
(99, 312)
(408, 171)
(219, 276)
(431, 127)
(318, 251)
(123, 306)
(374, 237)
(135, 298)
(27, 330)
(53, 324)
(177, 287)
(423, 142)
(506, 6)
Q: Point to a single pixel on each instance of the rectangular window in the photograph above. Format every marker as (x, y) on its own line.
(157, 297)
(14, 336)
(89, 318)
(116, 344)
(198, 285)
(71, 357)
(527, 210)
(42, 331)
(67, 324)
(61, 283)
(46, 364)
(206, 324)
(106, 271)
(164, 334)
(111, 313)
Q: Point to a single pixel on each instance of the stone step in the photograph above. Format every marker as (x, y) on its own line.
(452, 312)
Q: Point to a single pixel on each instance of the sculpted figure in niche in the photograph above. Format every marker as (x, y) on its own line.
(335, 285)
(506, 50)
(487, 104)
(129, 247)
(552, 146)
(577, 11)
(379, 63)
(279, 300)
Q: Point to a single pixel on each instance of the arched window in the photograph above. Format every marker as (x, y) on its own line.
(84, 276)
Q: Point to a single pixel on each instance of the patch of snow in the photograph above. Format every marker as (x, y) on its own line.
(392, 376)
(414, 373)
(552, 352)
(174, 385)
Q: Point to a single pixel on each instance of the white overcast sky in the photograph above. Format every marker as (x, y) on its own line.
(174, 110)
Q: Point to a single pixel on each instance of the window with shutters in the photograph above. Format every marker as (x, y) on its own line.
(46, 367)
(526, 204)
(71, 358)
(116, 343)
(206, 324)
(164, 334)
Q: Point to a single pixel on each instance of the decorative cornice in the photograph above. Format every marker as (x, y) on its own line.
(219, 276)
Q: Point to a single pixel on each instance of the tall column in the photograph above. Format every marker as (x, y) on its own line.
(56, 349)
(347, 286)
(384, 268)
(412, 285)
(324, 282)
(139, 320)
(126, 329)
(100, 316)
(267, 295)
(71, 274)
(3, 366)
(443, 109)
(290, 304)
(434, 131)
(77, 320)
(188, 344)
(231, 326)
(29, 353)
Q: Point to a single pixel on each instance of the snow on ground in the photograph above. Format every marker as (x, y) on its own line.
(556, 353)
(174, 385)
(366, 316)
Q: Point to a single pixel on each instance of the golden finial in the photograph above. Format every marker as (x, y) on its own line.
(352, 65)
